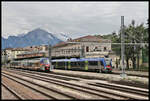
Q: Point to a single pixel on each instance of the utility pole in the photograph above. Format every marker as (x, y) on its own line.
(122, 48)
(65, 63)
(49, 53)
(5, 58)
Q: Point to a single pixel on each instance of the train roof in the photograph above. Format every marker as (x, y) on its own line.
(60, 60)
(44, 58)
(75, 59)
(31, 60)
(91, 59)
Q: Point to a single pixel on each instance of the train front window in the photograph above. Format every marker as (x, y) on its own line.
(46, 61)
(108, 63)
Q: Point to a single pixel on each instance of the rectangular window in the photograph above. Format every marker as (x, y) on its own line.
(105, 49)
(102, 63)
(81, 64)
(93, 63)
(87, 49)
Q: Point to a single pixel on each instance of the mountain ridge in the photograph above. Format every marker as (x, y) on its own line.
(37, 36)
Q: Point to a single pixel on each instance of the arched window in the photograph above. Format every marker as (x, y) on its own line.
(95, 48)
(87, 48)
(105, 48)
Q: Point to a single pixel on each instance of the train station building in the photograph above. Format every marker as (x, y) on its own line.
(87, 46)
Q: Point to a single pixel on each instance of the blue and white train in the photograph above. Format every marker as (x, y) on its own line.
(85, 64)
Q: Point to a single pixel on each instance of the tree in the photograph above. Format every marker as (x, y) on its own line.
(115, 39)
(133, 34)
(145, 50)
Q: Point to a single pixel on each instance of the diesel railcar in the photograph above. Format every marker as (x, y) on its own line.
(32, 64)
(85, 64)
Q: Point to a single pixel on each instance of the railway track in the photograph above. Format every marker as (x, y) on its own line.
(73, 95)
(10, 92)
(96, 90)
(118, 73)
(48, 92)
(23, 89)
(69, 77)
(65, 77)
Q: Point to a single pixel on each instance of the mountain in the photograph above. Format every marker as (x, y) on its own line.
(62, 36)
(21, 35)
(34, 37)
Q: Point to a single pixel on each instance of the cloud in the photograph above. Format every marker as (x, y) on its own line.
(75, 18)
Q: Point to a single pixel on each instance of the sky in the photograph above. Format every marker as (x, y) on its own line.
(72, 18)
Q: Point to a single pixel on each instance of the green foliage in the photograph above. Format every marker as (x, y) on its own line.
(133, 34)
(108, 36)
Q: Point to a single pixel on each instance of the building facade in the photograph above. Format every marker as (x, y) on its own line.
(87, 46)
(6, 54)
(17, 51)
(37, 48)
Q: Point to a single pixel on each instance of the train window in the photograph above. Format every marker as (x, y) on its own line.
(61, 64)
(87, 49)
(102, 63)
(45, 61)
(29, 64)
(64, 63)
(108, 62)
(53, 63)
(74, 64)
(81, 64)
(41, 61)
(93, 63)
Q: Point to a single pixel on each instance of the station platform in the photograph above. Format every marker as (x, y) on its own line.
(140, 73)
(128, 80)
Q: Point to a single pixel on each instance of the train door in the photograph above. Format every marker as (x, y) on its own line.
(69, 64)
(86, 65)
(56, 64)
(42, 67)
(93, 65)
(102, 66)
(99, 66)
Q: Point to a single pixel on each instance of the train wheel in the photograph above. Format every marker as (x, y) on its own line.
(102, 71)
(110, 72)
(99, 70)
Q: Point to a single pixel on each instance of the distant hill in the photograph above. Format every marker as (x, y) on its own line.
(35, 37)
